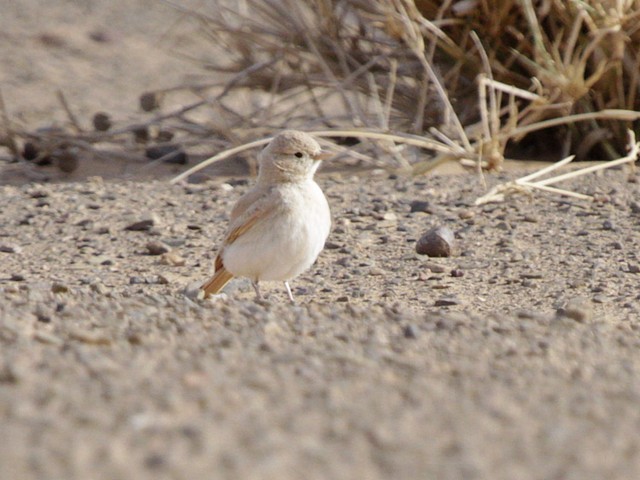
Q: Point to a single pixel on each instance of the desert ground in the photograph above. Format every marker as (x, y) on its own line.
(515, 358)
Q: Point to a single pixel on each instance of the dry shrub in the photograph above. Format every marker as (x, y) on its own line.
(479, 76)
(470, 80)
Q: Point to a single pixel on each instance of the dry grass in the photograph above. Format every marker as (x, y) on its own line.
(553, 72)
(531, 182)
(467, 80)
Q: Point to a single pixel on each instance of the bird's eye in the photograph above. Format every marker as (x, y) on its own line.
(298, 154)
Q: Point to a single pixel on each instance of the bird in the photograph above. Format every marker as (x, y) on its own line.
(279, 227)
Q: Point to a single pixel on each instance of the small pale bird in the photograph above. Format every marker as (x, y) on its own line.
(278, 228)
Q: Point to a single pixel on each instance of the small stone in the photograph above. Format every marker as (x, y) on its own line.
(343, 262)
(435, 268)
(58, 287)
(17, 277)
(529, 314)
(100, 36)
(10, 249)
(421, 206)
(194, 291)
(157, 248)
(165, 136)
(457, 273)
(633, 268)
(149, 101)
(8, 374)
(141, 134)
(447, 301)
(437, 242)
(143, 225)
(101, 122)
(410, 331)
(466, 214)
(578, 309)
(608, 225)
(532, 275)
(98, 288)
(43, 314)
(38, 193)
(173, 259)
(151, 280)
(635, 207)
(30, 151)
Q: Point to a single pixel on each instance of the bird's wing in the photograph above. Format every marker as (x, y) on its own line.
(260, 210)
(247, 201)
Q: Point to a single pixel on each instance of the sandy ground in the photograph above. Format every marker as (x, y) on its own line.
(515, 358)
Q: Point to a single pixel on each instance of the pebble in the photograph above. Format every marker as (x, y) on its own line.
(58, 287)
(435, 268)
(193, 291)
(173, 259)
(421, 206)
(635, 207)
(98, 288)
(144, 224)
(578, 309)
(43, 314)
(150, 280)
(17, 277)
(157, 248)
(437, 242)
(410, 331)
(532, 275)
(447, 301)
(38, 194)
(10, 249)
(8, 374)
(633, 268)
(466, 214)
(376, 271)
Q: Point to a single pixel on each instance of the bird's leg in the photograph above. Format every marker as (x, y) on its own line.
(286, 284)
(257, 289)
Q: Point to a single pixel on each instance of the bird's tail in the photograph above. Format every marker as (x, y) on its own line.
(217, 282)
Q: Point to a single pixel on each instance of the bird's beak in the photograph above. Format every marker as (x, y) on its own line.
(322, 156)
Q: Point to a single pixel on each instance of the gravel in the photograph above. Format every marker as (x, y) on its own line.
(390, 365)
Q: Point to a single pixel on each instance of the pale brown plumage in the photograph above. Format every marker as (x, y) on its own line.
(277, 229)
